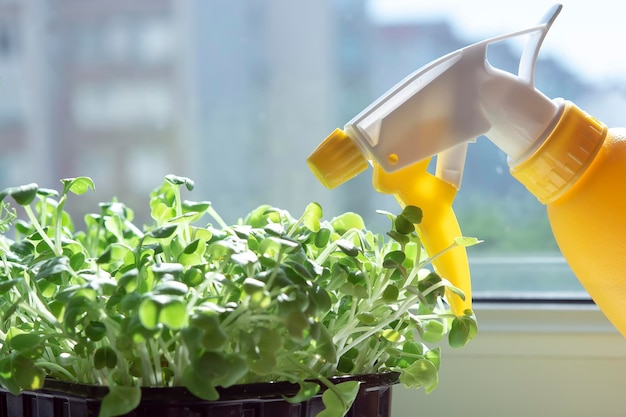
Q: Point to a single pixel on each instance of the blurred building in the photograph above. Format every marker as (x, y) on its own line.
(92, 88)
(233, 94)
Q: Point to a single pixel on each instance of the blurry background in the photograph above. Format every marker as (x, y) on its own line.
(235, 94)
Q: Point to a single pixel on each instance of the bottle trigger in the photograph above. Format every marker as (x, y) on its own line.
(414, 185)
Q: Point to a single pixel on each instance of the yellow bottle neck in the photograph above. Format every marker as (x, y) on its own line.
(563, 156)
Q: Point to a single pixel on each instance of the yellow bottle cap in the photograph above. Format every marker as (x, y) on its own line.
(336, 160)
(563, 156)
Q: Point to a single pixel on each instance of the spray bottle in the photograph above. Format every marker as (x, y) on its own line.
(569, 160)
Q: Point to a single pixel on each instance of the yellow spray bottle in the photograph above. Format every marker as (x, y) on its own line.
(570, 161)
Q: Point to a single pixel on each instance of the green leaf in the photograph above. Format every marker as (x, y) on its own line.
(219, 369)
(53, 267)
(198, 384)
(25, 341)
(312, 216)
(339, 399)
(421, 373)
(163, 232)
(173, 314)
(119, 401)
(244, 258)
(394, 259)
(466, 241)
(434, 355)
(171, 287)
(398, 237)
(324, 345)
(322, 237)
(403, 225)
(198, 207)
(7, 375)
(149, 314)
(462, 331)
(23, 195)
(347, 247)
(95, 330)
(78, 186)
(433, 331)
(167, 268)
(193, 277)
(214, 337)
(391, 293)
(105, 357)
(392, 335)
(177, 180)
(307, 391)
(346, 221)
(367, 318)
(27, 374)
(193, 253)
(412, 214)
(5, 286)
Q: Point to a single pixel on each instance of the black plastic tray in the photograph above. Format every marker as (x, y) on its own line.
(64, 399)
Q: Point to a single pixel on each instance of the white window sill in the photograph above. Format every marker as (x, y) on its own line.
(528, 360)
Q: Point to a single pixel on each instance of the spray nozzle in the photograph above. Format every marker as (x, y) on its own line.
(438, 110)
(442, 107)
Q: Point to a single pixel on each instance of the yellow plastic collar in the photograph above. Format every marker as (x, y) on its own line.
(336, 160)
(563, 156)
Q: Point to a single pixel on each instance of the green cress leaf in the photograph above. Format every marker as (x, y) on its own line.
(394, 259)
(105, 357)
(346, 221)
(312, 216)
(120, 400)
(324, 346)
(339, 399)
(421, 373)
(434, 355)
(307, 391)
(398, 237)
(171, 287)
(403, 225)
(347, 247)
(27, 375)
(193, 277)
(391, 293)
(25, 341)
(412, 214)
(199, 385)
(78, 186)
(149, 313)
(199, 207)
(462, 331)
(433, 331)
(5, 286)
(466, 241)
(322, 237)
(53, 267)
(95, 330)
(163, 232)
(173, 314)
(177, 180)
(392, 335)
(23, 195)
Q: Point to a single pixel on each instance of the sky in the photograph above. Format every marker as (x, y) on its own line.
(590, 35)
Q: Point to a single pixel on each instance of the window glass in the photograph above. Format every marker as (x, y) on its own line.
(236, 94)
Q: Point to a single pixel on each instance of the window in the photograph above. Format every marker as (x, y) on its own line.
(237, 94)
(9, 44)
(120, 104)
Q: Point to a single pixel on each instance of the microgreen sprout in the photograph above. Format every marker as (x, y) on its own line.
(192, 301)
